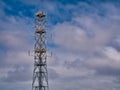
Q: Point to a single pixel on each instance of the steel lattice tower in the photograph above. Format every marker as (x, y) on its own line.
(40, 76)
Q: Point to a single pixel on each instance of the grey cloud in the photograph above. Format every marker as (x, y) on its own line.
(77, 63)
(19, 74)
(117, 80)
(109, 71)
(52, 74)
(2, 56)
(115, 42)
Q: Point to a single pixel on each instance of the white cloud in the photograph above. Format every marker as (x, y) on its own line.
(74, 37)
(109, 59)
(112, 53)
(18, 57)
(12, 39)
(15, 38)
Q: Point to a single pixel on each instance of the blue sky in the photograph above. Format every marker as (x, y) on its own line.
(85, 43)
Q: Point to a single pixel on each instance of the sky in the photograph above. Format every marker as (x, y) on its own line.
(85, 44)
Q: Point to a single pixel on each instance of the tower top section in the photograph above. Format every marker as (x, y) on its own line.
(40, 14)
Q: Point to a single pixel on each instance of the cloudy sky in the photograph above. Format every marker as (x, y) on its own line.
(85, 43)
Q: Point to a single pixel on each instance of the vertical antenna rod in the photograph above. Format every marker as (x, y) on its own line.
(40, 76)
